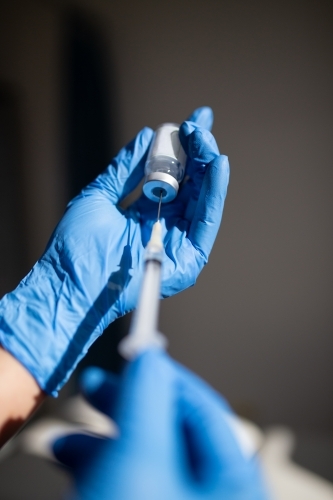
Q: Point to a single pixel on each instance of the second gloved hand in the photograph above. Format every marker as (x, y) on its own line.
(91, 270)
(176, 441)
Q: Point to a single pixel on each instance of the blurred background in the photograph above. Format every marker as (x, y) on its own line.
(79, 78)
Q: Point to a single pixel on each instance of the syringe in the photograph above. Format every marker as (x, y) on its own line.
(143, 331)
(164, 169)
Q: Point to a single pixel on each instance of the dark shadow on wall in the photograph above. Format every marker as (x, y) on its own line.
(89, 94)
(90, 144)
(13, 232)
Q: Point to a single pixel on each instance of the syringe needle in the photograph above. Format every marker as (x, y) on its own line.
(159, 206)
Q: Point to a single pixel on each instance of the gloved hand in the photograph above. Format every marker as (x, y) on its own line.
(91, 270)
(177, 439)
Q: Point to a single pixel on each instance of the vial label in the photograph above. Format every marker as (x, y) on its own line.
(163, 146)
(177, 147)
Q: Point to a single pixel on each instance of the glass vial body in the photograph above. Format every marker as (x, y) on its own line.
(165, 166)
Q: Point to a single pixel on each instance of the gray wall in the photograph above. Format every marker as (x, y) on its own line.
(258, 324)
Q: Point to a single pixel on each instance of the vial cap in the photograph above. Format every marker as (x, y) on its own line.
(160, 181)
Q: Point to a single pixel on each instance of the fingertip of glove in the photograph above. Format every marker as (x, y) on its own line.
(223, 161)
(186, 130)
(146, 130)
(145, 134)
(92, 379)
(203, 116)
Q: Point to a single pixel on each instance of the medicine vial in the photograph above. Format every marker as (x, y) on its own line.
(165, 166)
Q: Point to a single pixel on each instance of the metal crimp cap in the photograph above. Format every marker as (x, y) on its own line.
(160, 181)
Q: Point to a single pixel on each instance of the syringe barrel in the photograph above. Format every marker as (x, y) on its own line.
(143, 331)
(146, 315)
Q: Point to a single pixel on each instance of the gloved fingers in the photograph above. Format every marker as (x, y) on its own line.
(152, 387)
(77, 450)
(199, 145)
(214, 451)
(203, 406)
(208, 211)
(164, 409)
(126, 170)
(201, 149)
(100, 389)
(216, 447)
(204, 117)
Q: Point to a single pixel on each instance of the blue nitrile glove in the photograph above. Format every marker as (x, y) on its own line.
(177, 440)
(91, 270)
